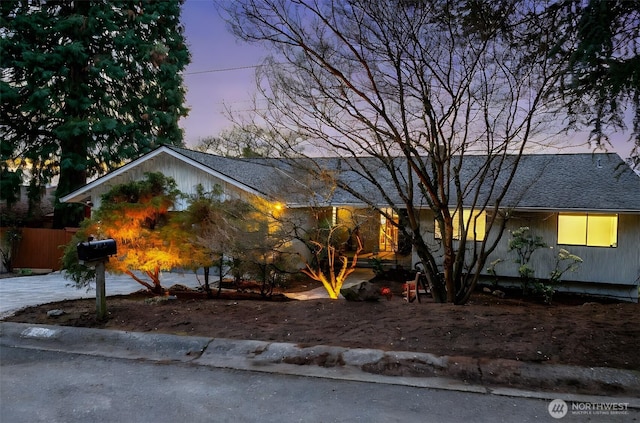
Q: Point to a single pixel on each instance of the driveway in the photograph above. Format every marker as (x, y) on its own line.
(24, 291)
(19, 292)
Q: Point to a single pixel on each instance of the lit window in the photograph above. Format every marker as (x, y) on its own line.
(593, 230)
(475, 220)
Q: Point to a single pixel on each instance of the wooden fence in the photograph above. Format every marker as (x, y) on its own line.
(40, 248)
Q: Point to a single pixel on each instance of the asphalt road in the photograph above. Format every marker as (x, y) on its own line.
(50, 386)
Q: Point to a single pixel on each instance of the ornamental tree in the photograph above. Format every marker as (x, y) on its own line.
(86, 85)
(338, 267)
(148, 237)
(242, 235)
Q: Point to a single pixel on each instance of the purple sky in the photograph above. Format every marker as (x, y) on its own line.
(213, 48)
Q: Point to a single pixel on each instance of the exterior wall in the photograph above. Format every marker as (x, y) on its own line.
(605, 271)
(187, 178)
(620, 265)
(40, 216)
(367, 222)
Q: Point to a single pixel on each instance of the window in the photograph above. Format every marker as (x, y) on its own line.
(593, 230)
(475, 220)
(388, 240)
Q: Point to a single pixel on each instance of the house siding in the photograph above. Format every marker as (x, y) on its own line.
(187, 178)
(367, 221)
(612, 272)
(619, 265)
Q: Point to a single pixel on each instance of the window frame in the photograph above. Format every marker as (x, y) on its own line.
(586, 236)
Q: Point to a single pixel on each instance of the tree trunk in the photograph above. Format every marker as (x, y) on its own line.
(449, 255)
(220, 266)
(71, 178)
(147, 285)
(207, 287)
(74, 133)
(155, 277)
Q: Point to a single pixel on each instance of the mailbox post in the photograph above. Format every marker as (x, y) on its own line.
(97, 253)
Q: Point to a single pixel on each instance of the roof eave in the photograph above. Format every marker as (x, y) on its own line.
(576, 210)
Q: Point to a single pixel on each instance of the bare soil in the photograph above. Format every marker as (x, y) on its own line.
(573, 330)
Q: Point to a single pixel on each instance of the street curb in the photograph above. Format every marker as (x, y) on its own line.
(365, 365)
(100, 342)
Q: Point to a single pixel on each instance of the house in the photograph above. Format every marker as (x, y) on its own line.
(39, 213)
(587, 203)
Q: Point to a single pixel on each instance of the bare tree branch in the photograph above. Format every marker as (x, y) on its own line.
(429, 105)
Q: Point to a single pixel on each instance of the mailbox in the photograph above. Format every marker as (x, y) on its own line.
(96, 250)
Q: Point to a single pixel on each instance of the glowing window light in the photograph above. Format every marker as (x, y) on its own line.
(475, 220)
(592, 230)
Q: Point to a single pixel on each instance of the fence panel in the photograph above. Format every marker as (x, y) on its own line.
(41, 248)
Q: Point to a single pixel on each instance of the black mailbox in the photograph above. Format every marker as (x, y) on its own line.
(96, 250)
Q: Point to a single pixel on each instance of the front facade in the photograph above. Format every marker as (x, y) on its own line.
(587, 204)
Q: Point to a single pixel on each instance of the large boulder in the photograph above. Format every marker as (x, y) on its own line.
(363, 291)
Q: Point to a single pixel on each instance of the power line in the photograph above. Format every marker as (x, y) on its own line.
(227, 69)
(222, 70)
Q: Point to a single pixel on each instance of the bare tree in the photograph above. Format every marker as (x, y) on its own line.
(333, 277)
(429, 105)
(241, 141)
(249, 140)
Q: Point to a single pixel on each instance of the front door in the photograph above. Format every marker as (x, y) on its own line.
(388, 232)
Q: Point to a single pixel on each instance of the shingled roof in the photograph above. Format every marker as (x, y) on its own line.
(567, 182)
(259, 174)
(559, 182)
(579, 182)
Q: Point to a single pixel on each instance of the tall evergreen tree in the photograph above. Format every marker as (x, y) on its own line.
(602, 77)
(87, 85)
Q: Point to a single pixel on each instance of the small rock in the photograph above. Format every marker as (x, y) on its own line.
(179, 287)
(498, 293)
(55, 313)
(486, 290)
(156, 300)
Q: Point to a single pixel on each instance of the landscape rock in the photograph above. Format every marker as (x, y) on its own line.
(364, 291)
(498, 293)
(55, 313)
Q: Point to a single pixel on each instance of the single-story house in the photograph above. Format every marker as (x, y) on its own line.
(586, 203)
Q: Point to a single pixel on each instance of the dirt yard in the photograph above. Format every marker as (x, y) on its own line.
(573, 331)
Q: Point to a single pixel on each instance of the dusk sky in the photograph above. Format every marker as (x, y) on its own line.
(213, 78)
(222, 72)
